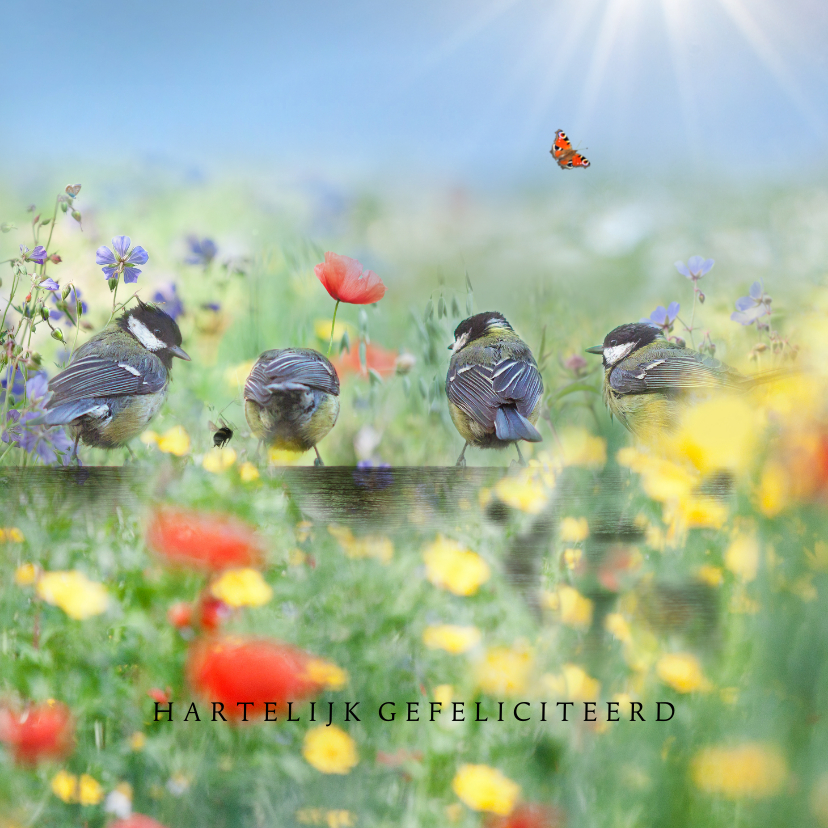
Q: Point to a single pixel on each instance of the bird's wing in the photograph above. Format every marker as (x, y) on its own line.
(480, 390)
(94, 376)
(674, 371)
(290, 370)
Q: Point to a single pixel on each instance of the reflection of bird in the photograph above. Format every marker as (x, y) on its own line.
(291, 399)
(647, 378)
(117, 380)
(493, 385)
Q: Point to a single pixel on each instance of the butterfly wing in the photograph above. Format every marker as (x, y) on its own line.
(563, 153)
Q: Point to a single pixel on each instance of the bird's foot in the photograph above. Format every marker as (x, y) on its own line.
(318, 462)
(461, 463)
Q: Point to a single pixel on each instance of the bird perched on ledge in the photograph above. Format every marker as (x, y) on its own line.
(493, 385)
(291, 399)
(117, 381)
(648, 380)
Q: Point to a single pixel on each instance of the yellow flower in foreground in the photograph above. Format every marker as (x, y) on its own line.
(574, 530)
(322, 329)
(573, 683)
(242, 588)
(575, 609)
(616, 625)
(236, 376)
(25, 574)
(742, 556)
(149, 437)
(65, 786)
(443, 693)
(12, 534)
(453, 567)
(682, 672)
(91, 792)
(218, 460)
(580, 448)
(504, 671)
(711, 575)
(451, 638)
(523, 491)
(175, 441)
(73, 592)
(248, 472)
(137, 741)
(324, 672)
(485, 789)
(329, 749)
(661, 480)
(751, 771)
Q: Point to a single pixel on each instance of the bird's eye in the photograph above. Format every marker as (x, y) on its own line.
(158, 331)
(614, 342)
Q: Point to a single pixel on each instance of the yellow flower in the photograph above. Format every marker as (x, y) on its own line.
(218, 460)
(248, 472)
(73, 592)
(748, 771)
(367, 546)
(682, 672)
(242, 588)
(576, 611)
(661, 480)
(149, 437)
(742, 556)
(324, 672)
(11, 533)
(443, 693)
(25, 575)
(616, 625)
(580, 448)
(322, 329)
(340, 819)
(573, 683)
(574, 530)
(175, 441)
(65, 786)
(504, 671)
(236, 376)
(137, 741)
(451, 638)
(774, 489)
(485, 789)
(451, 566)
(721, 433)
(91, 792)
(329, 749)
(711, 575)
(523, 491)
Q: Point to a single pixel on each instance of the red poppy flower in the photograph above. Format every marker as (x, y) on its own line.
(346, 281)
(208, 612)
(233, 669)
(201, 541)
(529, 816)
(136, 821)
(382, 361)
(160, 696)
(41, 731)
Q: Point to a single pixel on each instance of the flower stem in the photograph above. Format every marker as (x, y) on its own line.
(114, 295)
(693, 316)
(333, 325)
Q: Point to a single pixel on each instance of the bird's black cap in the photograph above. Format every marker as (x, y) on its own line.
(150, 326)
(639, 333)
(479, 325)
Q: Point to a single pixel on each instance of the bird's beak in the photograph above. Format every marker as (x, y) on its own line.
(595, 349)
(451, 347)
(176, 351)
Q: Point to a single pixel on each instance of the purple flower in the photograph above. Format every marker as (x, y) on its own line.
(213, 306)
(17, 385)
(49, 284)
(754, 306)
(123, 260)
(70, 303)
(695, 268)
(37, 255)
(167, 295)
(203, 251)
(663, 317)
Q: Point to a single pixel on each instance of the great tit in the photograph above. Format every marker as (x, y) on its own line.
(117, 381)
(291, 399)
(493, 385)
(648, 380)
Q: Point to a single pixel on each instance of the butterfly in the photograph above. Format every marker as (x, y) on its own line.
(563, 153)
(72, 190)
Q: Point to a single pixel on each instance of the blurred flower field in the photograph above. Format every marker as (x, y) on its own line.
(691, 572)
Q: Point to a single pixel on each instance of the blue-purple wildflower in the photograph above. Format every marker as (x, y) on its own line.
(17, 385)
(202, 251)
(38, 255)
(662, 317)
(49, 284)
(122, 261)
(695, 268)
(167, 295)
(753, 307)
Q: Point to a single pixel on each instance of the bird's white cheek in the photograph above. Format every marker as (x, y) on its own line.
(616, 353)
(459, 343)
(144, 335)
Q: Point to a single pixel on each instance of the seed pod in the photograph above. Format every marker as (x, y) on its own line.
(701, 297)
(76, 216)
(65, 292)
(441, 307)
(44, 313)
(56, 334)
(113, 283)
(345, 343)
(421, 384)
(64, 206)
(455, 307)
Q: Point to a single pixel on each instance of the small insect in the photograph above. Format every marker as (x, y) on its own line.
(73, 189)
(223, 433)
(563, 153)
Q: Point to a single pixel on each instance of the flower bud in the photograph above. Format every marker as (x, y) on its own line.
(701, 297)
(76, 216)
(404, 363)
(64, 206)
(55, 259)
(36, 219)
(45, 222)
(44, 313)
(65, 292)
(56, 334)
(113, 283)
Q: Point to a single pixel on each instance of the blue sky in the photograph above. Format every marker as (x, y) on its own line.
(457, 87)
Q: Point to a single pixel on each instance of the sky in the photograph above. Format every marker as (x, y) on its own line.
(449, 86)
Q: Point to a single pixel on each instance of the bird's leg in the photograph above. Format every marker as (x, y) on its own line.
(74, 456)
(520, 456)
(132, 457)
(461, 460)
(318, 461)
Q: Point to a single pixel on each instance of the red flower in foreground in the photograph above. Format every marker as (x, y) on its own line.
(208, 613)
(136, 821)
(529, 816)
(41, 731)
(258, 670)
(202, 541)
(382, 361)
(346, 281)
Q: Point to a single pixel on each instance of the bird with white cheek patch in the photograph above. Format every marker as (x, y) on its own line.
(117, 381)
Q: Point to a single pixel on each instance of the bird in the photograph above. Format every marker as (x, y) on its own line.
(493, 385)
(649, 380)
(117, 381)
(291, 399)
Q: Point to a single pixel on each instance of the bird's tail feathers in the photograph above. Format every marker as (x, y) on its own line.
(511, 425)
(65, 414)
